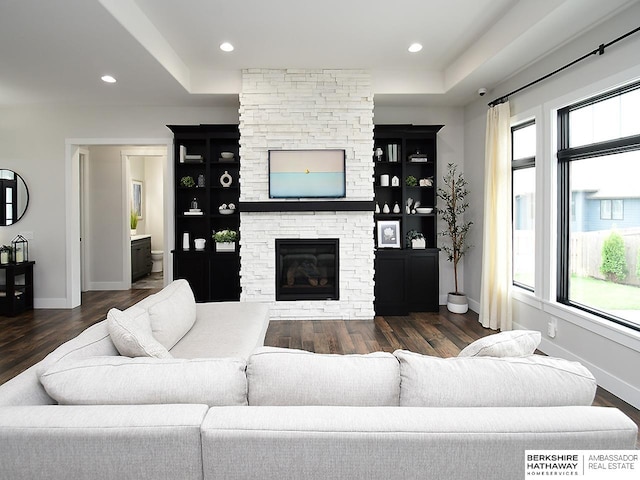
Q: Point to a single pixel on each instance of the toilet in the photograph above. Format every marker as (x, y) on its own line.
(157, 258)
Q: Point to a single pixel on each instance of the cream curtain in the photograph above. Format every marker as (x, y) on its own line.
(495, 289)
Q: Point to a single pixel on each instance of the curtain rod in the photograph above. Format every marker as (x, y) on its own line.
(599, 51)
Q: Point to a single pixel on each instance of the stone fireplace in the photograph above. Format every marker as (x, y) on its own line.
(307, 109)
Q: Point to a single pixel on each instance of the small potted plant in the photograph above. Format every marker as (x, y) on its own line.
(454, 193)
(187, 182)
(225, 240)
(411, 181)
(134, 222)
(416, 240)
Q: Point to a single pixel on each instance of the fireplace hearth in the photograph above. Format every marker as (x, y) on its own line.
(307, 269)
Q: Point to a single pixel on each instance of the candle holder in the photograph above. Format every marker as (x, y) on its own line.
(20, 248)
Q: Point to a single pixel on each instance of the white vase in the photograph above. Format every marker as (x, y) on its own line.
(457, 303)
(225, 246)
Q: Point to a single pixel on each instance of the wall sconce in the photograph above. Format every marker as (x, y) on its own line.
(20, 248)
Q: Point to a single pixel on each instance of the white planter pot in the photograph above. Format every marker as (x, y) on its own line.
(418, 243)
(457, 303)
(225, 246)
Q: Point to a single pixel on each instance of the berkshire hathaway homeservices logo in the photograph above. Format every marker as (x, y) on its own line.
(584, 464)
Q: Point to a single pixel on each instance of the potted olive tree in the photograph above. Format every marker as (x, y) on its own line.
(453, 193)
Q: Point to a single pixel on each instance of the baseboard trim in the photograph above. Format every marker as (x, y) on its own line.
(50, 303)
(107, 286)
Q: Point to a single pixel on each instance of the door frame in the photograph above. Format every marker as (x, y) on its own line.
(72, 206)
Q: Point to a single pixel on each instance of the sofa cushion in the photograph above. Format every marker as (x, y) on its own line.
(514, 343)
(131, 333)
(280, 376)
(94, 341)
(533, 381)
(225, 329)
(137, 381)
(172, 312)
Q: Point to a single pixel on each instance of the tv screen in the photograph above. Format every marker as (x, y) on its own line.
(307, 174)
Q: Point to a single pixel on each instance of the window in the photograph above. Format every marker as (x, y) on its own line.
(611, 209)
(599, 206)
(523, 181)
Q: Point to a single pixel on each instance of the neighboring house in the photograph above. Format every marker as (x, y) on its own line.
(600, 210)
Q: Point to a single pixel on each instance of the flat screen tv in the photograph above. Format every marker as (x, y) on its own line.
(307, 174)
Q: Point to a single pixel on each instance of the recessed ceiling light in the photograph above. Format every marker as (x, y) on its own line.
(226, 47)
(415, 47)
(108, 79)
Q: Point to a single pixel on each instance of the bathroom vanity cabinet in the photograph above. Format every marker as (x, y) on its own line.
(141, 262)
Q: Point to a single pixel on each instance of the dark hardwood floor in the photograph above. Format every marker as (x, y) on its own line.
(29, 337)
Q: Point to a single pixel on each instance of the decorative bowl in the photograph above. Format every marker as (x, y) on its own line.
(226, 211)
(227, 155)
(424, 210)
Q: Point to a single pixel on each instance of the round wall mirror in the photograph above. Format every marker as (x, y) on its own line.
(14, 197)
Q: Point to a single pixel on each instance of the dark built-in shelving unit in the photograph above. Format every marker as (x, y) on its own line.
(406, 280)
(213, 276)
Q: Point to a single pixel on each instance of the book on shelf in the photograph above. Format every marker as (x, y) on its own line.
(189, 157)
(392, 152)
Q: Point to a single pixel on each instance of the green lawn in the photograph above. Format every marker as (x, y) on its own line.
(604, 295)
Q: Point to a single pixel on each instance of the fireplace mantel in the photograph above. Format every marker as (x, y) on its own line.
(308, 206)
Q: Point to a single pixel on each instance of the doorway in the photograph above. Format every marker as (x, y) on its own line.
(102, 231)
(147, 219)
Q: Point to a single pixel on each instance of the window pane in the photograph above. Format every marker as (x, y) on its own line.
(604, 236)
(605, 209)
(524, 142)
(609, 119)
(524, 184)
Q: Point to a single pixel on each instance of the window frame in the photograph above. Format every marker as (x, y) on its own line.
(520, 164)
(566, 155)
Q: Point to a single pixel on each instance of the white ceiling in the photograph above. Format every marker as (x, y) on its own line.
(165, 52)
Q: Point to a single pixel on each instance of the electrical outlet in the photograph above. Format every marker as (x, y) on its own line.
(552, 328)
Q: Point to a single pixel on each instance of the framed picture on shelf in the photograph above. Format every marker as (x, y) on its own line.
(388, 234)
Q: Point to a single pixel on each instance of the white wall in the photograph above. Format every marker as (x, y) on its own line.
(450, 150)
(137, 172)
(103, 218)
(154, 220)
(610, 351)
(32, 142)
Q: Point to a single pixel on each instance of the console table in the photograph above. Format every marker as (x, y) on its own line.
(16, 287)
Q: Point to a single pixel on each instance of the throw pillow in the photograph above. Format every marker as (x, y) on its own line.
(515, 343)
(281, 376)
(131, 333)
(533, 381)
(172, 312)
(140, 381)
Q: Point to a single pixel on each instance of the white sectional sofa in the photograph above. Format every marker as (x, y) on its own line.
(213, 405)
